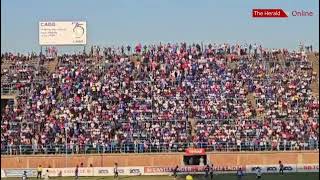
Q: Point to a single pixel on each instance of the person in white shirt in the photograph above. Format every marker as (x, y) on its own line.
(239, 174)
(211, 172)
(201, 161)
(24, 176)
(259, 173)
(46, 175)
(115, 171)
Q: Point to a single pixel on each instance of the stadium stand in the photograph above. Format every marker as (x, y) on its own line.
(160, 98)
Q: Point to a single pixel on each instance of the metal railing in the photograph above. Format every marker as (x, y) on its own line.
(150, 148)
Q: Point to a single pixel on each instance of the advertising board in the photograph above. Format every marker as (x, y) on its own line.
(190, 169)
(62, 33)
(308, 168)
(3, 174)
(69, 171)
(127, 171)
(271, 168)
(19, 172)
(137, 171)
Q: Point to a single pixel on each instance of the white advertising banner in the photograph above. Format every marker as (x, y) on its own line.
(127, 171)
(191, 169)
(308, 168)
(274, 168)
(68, 171)
(103, 171)
(3, 174)
(137, 171)
(94, 171)
(19, 172)
(62, 33)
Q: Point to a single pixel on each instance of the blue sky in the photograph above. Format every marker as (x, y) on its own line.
(116, 22)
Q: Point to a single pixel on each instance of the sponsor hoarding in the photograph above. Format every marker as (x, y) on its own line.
(62, 33)
(308, 168)
(103, 171)
(69, 171)
(195, 151)
(19, 172)
(132, 171)
(3, 174)
(108, 171)
(271, 168)
(190, 169)
(136, 171)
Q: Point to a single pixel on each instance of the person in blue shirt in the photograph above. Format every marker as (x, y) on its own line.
(239, 174)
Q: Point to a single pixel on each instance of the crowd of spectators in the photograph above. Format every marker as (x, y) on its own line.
(163, 98)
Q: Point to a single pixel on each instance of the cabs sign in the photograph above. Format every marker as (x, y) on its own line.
(62, 33)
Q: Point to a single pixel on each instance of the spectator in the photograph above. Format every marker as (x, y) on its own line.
(147, 101)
